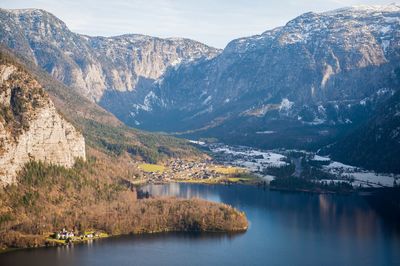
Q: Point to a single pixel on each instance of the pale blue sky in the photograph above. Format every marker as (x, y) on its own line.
(214, 22)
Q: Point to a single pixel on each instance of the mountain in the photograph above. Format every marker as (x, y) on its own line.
(375, 144)
(306, 84)
(30, 126)
(104, 134)
(302, 85)
(93, 65)
(49, 191)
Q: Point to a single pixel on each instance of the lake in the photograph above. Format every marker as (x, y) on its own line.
(285, 229)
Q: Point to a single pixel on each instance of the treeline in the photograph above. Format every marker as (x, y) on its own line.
(165, 215)
(149, 147)
(282, 171)
(313, 172)
(300, 184)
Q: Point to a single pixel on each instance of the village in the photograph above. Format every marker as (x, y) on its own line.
(204, 171)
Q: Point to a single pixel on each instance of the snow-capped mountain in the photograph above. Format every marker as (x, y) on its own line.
(305, 80)
(304, 84)
(93, 64)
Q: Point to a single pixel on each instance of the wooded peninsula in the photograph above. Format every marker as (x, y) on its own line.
(49, 198)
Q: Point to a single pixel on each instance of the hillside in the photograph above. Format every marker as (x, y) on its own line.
(307, 83)
(30, 126)
(94, 65)
(102, 131)
(49, 198)
(374, 145)
(96, 193)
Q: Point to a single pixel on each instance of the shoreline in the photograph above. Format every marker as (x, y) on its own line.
(238, 181)
(263, 185)
(252, 183)
(86, 241)
(310, 191)
(56, 243)
(228, 220)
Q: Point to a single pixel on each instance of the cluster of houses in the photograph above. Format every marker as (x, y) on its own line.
(67, 235)
(179, 169)
(64, 234)
(182, 169)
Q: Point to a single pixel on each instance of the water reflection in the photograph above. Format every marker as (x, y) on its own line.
(285, 229)
(181, 191)
(344, 215)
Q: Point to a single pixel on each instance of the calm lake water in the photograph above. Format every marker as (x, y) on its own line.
(285, 229)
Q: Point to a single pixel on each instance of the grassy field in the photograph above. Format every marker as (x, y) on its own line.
(152, 168)
(229, 170)
(57, 241)
(241, 179)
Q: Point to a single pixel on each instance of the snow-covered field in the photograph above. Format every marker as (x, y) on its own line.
(257, 161)
(321, 158)
(357, 176)
(266, 132)
(360, 176)
(252, 159)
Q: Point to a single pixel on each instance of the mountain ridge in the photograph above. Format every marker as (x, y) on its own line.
(92, 194)
(93, 64)
(320, 63)
(309, 83)
(105, 135)
(375, 144)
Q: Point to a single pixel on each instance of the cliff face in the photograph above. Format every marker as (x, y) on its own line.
(30, 127)
(93, 65)
(343, 55)
(305, 81)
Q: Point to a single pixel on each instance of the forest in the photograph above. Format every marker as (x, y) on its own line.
(49, 198)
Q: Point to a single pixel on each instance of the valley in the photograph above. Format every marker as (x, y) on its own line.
(165, 150)
(227, 164)
(72, 165)
(268, 165)
(310, 83)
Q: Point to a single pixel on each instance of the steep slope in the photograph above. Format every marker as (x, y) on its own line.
(302, 85)
(305, 82)
(96, 194)
(376, 144)
(92, 65)
(102, 131)
(30, 126)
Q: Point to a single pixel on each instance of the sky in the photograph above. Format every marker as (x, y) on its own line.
(213, 22)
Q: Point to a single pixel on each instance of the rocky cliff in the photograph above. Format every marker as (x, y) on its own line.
(93, 65)
(30, 127)
(303, 85)
(306, 81)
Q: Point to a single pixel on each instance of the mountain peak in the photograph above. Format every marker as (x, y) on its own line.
(393, 7)
(36, 18)
(33, 12)
(94, 64)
